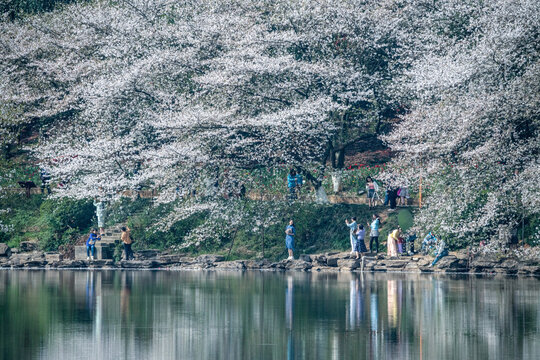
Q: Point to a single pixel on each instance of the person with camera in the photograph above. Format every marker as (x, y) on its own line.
(127, 241)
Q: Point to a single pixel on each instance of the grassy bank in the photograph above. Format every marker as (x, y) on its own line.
(319, 228)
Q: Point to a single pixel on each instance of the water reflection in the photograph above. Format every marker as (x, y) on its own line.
(356, 303)
(234, 315)
(289, 314)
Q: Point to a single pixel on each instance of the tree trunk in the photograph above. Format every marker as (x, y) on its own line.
(320, 193)
(338, 163)
(262, 243)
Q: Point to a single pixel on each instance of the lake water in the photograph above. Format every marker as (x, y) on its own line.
(262, 315)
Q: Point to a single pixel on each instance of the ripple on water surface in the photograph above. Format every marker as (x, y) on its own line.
(264, 315)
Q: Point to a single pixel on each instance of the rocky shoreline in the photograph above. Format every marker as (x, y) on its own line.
(456, 262)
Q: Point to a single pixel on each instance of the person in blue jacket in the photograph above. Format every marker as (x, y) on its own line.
(290, 232)
(292, 183)
(91, 244)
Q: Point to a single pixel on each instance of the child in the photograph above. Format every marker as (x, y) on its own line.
(360, 245)
(400, 242)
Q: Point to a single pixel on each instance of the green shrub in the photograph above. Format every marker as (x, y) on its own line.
(63, 221)
(405, 219)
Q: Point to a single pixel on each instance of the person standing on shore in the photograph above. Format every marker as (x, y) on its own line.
(352, 232)
(374, 234)
(360, 245)
(391, 243)
(126, 240)
(290, 232)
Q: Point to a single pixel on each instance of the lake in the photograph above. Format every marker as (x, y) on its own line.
(266, 315)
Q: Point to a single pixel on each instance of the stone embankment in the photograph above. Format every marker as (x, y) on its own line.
(457, 262)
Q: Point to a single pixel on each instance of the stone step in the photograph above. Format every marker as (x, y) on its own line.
(107, 243)
(100, 253)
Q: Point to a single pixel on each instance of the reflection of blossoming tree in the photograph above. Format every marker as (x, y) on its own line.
(474, 127)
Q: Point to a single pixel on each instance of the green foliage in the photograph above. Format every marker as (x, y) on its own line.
(274, 180)
(18, 8)
(405, 219)
(319, 228)
(146, 236)
(125, 208)
(63, 220)
(51, 222)
(529, 230)
(117, 254)
(388, 225)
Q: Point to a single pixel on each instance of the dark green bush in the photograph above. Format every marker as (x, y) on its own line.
(18, 8)
(63, 221)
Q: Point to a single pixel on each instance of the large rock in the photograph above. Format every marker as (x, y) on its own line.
(332, 261)
(452, 263)
(483, 265)
(35, 263)
(147, 254)
(527, 269)
(305, 257)
(5, 251)
(257, 264)
(349, 264)
(71, 264)
(230, 265)
(27, 246)
(210, 258)
(509, 266)
(140, 264)
(171, 259)
(299, 265)
(319, 259)
(98, 264)
(369, 264)
(397, 264)
(412, 266)
(51, 257)
(30, 259)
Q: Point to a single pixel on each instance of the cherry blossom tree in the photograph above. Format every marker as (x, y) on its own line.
(472, 132)
(163, 94)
